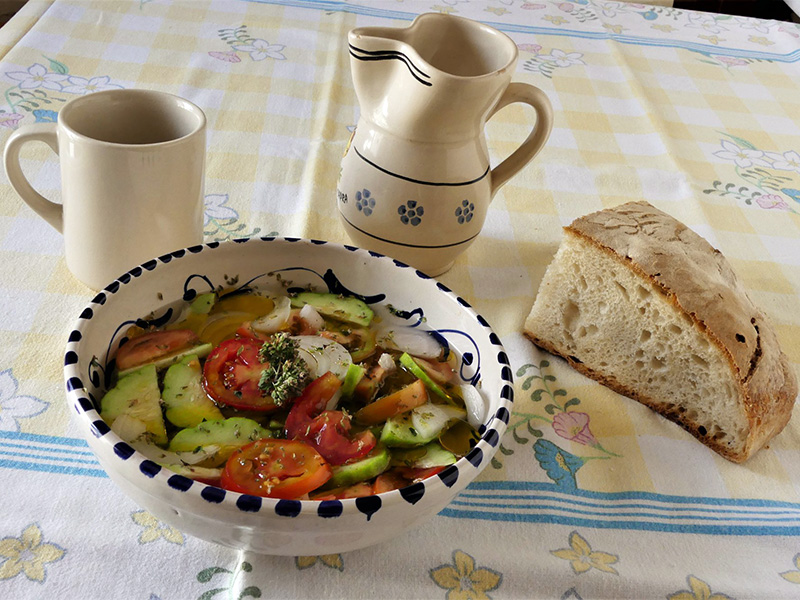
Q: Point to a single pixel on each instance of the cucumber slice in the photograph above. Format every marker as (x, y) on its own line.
(419, 426)
(399, 432)
(228, 434)
(136, 395)
(201, 351)
(186, 402)
(351, 310)
(409, 363)
(352, 377)
(373, 465)
(430, 455)
(203, 304)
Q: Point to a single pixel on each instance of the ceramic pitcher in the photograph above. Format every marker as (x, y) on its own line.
(416, 182)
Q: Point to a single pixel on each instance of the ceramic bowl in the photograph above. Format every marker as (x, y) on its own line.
(265, 525)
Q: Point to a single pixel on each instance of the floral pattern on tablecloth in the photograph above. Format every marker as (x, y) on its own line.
(39, 87)
(698, 590)
(582, 558)
(464, 579)
(15, 406)
(549, 529)
(29, 555)
(767, 178)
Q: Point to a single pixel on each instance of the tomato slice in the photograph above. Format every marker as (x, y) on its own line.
(388, 481)
(311, 403)
(326, 430)
(403, 400)
(330, 434)
(356, 490)
(441, 371)
(231, 375)
(149, 347)
(285, 469)
(418, 474)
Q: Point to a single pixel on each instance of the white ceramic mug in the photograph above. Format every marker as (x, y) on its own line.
(132, 172)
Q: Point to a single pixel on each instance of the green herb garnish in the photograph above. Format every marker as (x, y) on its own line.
(287, 374)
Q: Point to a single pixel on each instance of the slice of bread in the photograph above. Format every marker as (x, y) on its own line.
(642, 304)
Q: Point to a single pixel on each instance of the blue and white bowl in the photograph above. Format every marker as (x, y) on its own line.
(266, 525)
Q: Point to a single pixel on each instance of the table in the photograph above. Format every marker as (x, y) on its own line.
(697, 113)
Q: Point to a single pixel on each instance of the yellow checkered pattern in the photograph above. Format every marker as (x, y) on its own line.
(698, 114)
(631, 122)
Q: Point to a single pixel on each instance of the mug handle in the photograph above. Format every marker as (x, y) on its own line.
(41, 132)
(523, 92)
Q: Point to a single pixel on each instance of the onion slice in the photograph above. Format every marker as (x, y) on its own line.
(167, 457)
(277, 319)
(322, 355)
(431, 419)
(310, 315)
(417, 342)
(129, 429)
(386, 362)
(476, 405)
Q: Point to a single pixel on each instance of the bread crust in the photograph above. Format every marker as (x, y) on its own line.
(699, 282)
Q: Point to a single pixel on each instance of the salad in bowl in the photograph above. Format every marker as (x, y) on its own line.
(287, 396)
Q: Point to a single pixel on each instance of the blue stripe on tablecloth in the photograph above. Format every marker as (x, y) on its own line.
(6, 452)
(539, 502)
(572, 501)
(48, 454)
(46, 439)
(51, 468)
(576, 521)
(545, 506)
(87, 452)
(329, 5)
(511, 501)
(534, 485)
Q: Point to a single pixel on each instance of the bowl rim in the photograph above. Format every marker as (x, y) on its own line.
(491, 430)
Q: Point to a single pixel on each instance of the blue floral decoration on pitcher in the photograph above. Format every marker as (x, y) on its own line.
(410, 213)
(365, 202)
(465, 211)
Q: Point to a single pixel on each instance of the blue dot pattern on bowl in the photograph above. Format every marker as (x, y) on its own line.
(449, 476)
(410, 213)
(288, 508)
(212, 494)
(413, 493)
(369, 505)
(247, 503)
(475, 457)
(123, 450)
(179, 482)
(149, 468)
(329, 508)
(100, 428)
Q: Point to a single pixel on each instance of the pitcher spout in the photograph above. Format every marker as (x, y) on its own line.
(435, 80)
(379, 44)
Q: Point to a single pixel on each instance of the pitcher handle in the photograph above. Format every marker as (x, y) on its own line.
(523, 92)
(40, 132)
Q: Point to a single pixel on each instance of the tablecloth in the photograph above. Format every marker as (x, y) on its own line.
(697, 113)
